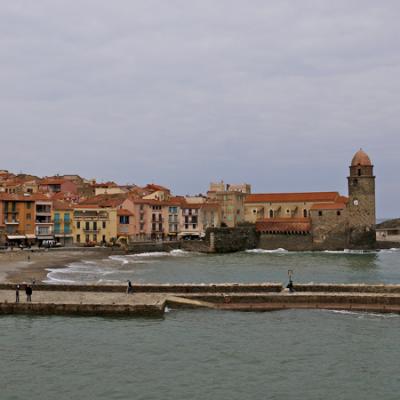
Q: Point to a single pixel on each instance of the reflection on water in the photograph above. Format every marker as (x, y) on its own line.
(252, 266)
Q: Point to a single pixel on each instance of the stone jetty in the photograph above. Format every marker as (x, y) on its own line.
(152, 300)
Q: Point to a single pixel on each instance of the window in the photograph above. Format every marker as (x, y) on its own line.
(124, 219)
(95, 226)
(28, 205)
(287, 211)
(320, 213)
(359, 172)
(338, 213)
(78, 238)
(78, 225)
(94, 237)
(153, 227)
(104, 224)
(305, 213)
(87, 225)
(28, 216)
(194, 226)
(141, 227)
(87, 238)
(271, 213)
(104, 239)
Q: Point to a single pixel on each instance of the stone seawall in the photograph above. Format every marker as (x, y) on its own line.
(254, 297)
(141, 310)
(287, 242)
(229, 240)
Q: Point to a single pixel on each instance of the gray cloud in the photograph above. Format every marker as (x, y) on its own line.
(279, 94)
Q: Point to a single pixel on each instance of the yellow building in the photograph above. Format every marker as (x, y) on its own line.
(93, 224)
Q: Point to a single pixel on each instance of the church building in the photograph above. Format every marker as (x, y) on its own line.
(319, 220)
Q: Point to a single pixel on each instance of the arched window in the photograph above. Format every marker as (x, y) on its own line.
(271, 213)
(305, 213)
(359, 172)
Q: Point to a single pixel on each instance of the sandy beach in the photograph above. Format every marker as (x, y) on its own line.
(19, 266)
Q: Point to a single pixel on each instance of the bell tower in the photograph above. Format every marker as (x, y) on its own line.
(361, 207)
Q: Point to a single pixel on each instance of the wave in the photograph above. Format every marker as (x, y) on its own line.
(121, 259)
(173, 253)
(392, 250)
(363, 314)
(262, 251)
(348, 251)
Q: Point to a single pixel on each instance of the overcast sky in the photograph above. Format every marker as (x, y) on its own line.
(279, 94)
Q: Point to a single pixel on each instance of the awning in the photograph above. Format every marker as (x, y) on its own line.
(189, 234)
(15, 237)
(31, 236)
(45, 237)
(62, 235)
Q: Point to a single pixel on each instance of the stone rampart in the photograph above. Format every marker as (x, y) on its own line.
(287, 242)
(229, 240)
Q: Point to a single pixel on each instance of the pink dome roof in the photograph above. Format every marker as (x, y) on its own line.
(361, 158)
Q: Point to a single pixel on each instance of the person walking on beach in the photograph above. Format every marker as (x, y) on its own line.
(17, 294)
(28, 291)
(129, 289)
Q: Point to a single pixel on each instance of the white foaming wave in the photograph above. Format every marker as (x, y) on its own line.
(120, 259)
(392, 250)
(363, 314)
(173, 253)
(262, 251)
(348, 251)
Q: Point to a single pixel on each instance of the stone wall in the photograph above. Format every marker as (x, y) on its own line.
(287, 242)
(329, 229)
(228, 240)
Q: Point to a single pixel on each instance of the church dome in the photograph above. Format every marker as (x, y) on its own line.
(361, 159)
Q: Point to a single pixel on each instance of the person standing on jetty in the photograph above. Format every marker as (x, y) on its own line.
(28, 291)
(129, 289)
(290, 284)
(17, 294)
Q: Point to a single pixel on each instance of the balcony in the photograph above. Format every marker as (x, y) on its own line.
(91, 230)
(12, 222)
(42, 231)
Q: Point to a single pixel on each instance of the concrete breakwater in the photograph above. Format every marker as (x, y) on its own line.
(78, 300)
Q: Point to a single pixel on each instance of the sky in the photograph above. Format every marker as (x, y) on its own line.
(279, 94)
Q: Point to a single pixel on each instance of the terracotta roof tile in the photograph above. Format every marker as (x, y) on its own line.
(291, 197)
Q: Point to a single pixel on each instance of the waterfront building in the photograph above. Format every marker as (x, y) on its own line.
(62, 218)
(388, 231)
(260, 206)
(17, 219)
(44, 226)
(319, 221)
(94, 225)
(231, 198)
(104, 219)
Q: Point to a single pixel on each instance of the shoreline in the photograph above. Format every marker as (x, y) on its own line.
(19, 266)
(23, 266)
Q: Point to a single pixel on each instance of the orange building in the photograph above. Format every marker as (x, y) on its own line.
(18, 218)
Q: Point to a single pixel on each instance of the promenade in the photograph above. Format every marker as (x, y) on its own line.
(152, 300)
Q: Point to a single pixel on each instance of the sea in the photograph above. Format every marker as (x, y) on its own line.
(203, 354)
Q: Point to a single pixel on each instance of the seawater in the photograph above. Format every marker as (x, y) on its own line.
(247, 267)
(201, 355)
(197, 354)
